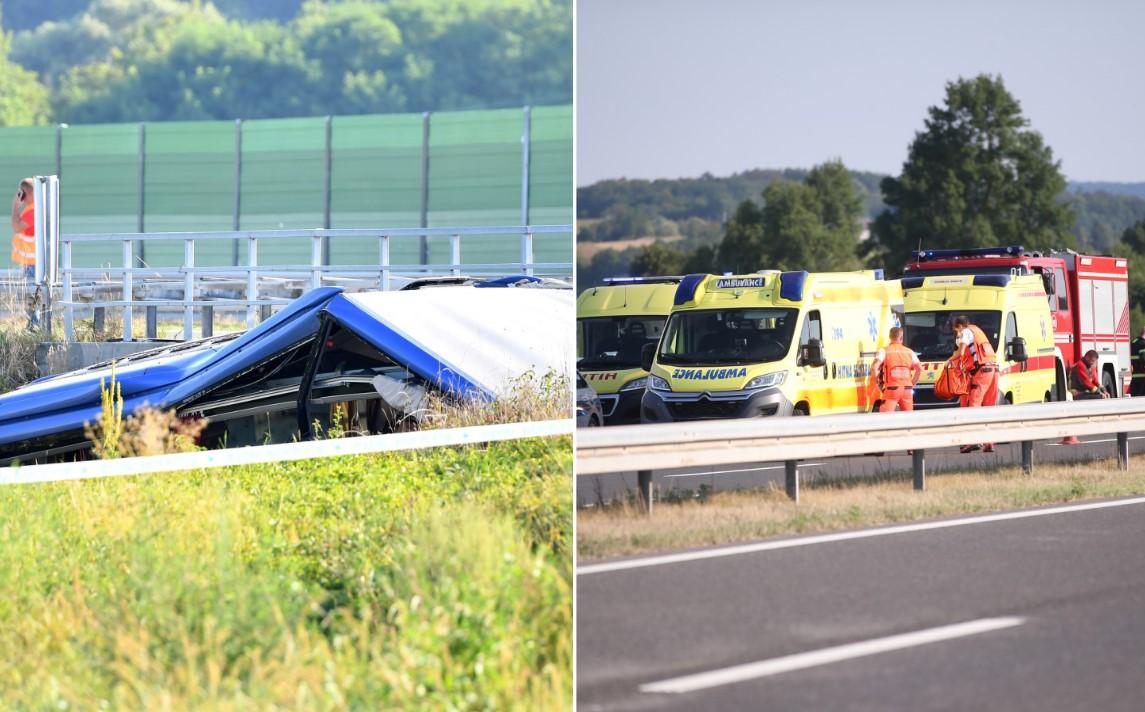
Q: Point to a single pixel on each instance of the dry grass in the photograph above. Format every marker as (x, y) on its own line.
(744, 516)
(17, 356)
(164, 329)
(588, 250)
(530, 398)
(147, 432)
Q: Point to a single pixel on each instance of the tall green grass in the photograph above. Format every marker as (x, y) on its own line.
(427, 580)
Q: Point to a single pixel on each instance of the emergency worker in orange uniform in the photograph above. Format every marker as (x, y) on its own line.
(897, 370)
(976, 356)
(24, 245)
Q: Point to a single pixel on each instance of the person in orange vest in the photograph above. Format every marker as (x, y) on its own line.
(976, 355)
(24, 245)
(897, 370)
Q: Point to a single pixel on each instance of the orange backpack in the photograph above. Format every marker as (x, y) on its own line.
(952, 382)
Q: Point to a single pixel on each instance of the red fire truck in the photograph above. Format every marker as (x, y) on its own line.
(1088, 299)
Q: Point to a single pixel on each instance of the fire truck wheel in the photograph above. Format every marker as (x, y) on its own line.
(1107, 384)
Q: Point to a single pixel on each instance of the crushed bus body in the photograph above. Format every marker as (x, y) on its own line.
(371, 356)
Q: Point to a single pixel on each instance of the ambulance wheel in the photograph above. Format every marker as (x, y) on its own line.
(1008, 400)
(800, 409)
(1107, 384)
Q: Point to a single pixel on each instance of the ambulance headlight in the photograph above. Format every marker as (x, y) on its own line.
(636, 384)
(658, 384)
(770, 380)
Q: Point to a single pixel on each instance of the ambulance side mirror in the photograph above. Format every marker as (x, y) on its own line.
(1016, 349)
(811, 354)
(647, 353)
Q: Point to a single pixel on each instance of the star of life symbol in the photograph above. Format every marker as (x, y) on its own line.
(873, 326)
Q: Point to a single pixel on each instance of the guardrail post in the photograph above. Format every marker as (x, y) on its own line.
(128, 290)
(99, 321)
(918, 463)
(188, 290)
(1123, 451)
(791, 480)
(251, 282)
(152, 322)
(644, 484)
(384, 261)
(207, 325)
(455, 255)
(316, 253)
(69, 310)
(1027, 457)
(527, 253)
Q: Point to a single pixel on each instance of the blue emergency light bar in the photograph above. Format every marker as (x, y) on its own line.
(926, 255)
(642, 280)
(991, 280)
(791, 285)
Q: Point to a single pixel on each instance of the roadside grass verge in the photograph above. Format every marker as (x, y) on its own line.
(732, 517)
(437, 579)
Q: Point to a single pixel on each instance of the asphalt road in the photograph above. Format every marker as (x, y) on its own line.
(593, 490)
(1055, 605)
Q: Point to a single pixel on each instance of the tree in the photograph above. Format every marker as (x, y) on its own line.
(26, 14)
(813, 225)
(976, 176)
(658, 259)
(23, 99)
(1132, 246)
(125, 27)
(743, 242)
(360, 52)
(206, 68)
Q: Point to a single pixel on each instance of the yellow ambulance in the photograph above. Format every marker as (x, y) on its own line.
(771, 343)
(614, 323)
(1014, 314)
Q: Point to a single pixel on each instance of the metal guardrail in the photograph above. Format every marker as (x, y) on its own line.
(193, 280)
(61, 471)
(644, 448)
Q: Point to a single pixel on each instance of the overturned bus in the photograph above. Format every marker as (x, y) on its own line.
(369, 359)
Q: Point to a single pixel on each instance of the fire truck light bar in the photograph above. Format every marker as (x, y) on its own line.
(926, 255)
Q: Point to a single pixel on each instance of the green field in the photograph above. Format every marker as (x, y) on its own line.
(438, 579)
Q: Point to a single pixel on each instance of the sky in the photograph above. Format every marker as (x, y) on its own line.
(677, 88)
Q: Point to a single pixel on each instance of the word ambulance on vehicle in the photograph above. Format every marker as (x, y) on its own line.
(771, 343)
(1088, 298)
(1011, 311)
(614, 323)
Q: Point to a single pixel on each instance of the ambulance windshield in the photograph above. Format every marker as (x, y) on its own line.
(931, 336)
(727, 336)
(614, 342)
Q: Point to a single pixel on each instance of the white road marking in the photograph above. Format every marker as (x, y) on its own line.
(1103, 440)
(683, 557)
(802, 465)
(775, 666)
